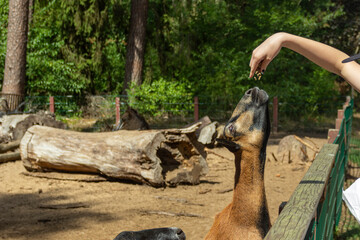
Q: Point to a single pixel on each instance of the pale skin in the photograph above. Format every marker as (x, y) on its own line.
(321, 54)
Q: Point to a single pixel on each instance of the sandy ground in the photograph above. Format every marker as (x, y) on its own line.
(38, 208)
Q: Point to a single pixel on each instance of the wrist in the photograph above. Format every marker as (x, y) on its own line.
(283, 38)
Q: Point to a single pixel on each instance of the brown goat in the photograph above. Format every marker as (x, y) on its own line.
(246, 135)
(132, 120)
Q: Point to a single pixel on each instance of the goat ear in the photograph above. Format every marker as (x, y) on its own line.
(231, 146)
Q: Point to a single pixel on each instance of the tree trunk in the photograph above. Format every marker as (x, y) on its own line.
(31, 12)
(136, 43)
(15, 62)
(155, 157)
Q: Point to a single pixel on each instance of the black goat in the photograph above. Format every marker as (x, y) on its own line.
(171, 233)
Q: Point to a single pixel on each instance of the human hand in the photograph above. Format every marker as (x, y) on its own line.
(264, 54)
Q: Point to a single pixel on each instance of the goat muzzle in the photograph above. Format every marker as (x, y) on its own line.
(230, 145)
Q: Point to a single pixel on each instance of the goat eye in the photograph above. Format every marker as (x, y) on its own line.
(232, 129)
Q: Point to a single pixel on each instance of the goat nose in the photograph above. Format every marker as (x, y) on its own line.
(248, 92)
(179, 231)
(180, 234)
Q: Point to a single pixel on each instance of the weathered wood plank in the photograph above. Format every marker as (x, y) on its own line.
(295, 218)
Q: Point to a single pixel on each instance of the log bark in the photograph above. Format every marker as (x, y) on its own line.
(204, 122)
(8, 157)
(208, 134)
(154, 157)
(9, 146)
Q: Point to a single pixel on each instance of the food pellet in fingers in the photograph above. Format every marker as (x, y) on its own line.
(257, 75)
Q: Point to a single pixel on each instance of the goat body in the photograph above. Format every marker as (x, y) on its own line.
(132, 120)
(247, 132)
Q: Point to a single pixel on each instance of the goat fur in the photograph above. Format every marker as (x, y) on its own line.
(247, 133)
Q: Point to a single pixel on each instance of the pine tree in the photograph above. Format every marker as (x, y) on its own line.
(136, 43)
(13, 88)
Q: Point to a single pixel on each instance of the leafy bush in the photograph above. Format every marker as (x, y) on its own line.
(161, 97)
(48, 72)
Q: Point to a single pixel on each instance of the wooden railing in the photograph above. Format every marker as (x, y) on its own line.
(314, 209)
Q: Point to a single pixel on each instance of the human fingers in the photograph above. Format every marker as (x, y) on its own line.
(262, 67)
(254, 63)
(258, 72)
(264, 53)
(258, 68)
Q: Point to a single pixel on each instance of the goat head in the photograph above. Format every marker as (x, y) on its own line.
(249, 124)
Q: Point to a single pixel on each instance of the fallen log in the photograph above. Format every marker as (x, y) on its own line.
(149, 156)
(4, 147)
(204, 121)
(306, 144)
(292, 150)
(208, 134)
(8, 157)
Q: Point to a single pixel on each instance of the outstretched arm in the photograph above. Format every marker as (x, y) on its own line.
(323, 55)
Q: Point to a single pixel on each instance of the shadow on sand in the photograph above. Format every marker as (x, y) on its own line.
(36, 215)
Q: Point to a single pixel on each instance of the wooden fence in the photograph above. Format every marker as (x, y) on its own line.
(314, 209)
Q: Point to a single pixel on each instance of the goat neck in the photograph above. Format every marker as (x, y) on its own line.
(246, 135)
(249, 128)
(249, 205)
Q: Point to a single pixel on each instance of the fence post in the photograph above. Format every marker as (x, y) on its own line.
(348, 99)
(196, 108)
(275, 114)
(333, 133)
(117, 106)
(340, 116)
(52, 104)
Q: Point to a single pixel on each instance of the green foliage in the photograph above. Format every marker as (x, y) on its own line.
(352, 230)
(354, 155)
(342, 30)
(210, 43)
(75, 55)
(94, 43)
(4, 9)
(203, 47)
(161, 97)
(48, 72)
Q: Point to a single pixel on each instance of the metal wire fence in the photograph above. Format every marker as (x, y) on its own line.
(348, 227)
(294, 114)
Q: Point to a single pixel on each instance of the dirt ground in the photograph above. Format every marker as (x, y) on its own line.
(40, 208)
